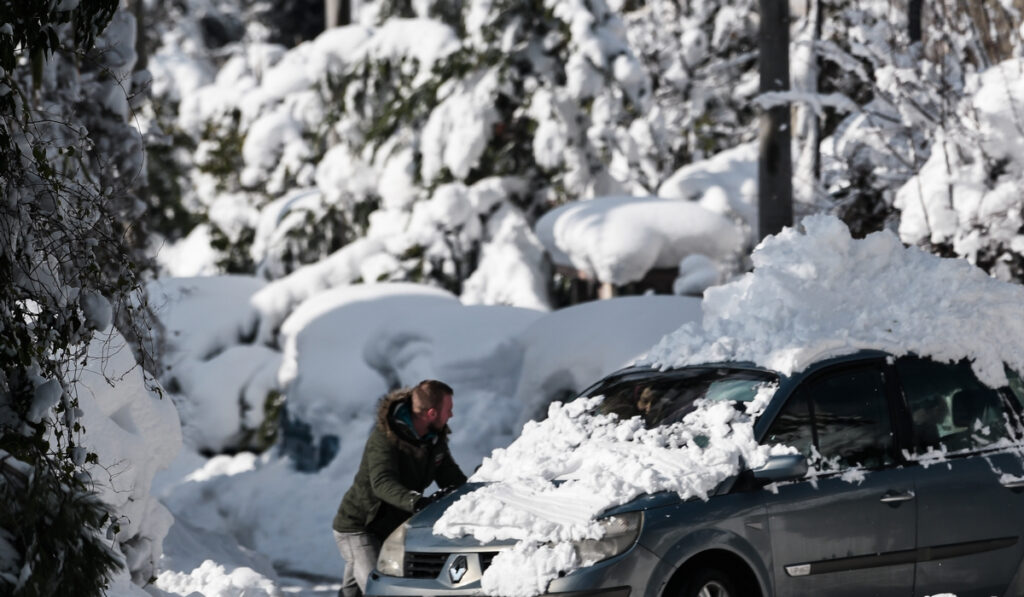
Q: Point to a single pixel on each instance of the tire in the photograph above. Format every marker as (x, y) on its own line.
(709, 582)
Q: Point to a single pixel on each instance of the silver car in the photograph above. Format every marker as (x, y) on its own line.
(910, 482)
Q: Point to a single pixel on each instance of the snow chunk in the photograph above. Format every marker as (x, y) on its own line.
(821, 293)
(45, 397)
(620, 239)
(97, 310)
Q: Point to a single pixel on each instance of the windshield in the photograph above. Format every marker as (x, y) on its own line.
(662, 400)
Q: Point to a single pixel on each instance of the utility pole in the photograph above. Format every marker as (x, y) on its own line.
(775, 164)
(914, 19)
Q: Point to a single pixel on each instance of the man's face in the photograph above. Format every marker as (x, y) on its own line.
(443, 414)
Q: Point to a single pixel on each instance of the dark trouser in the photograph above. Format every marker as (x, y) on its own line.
(360, 551)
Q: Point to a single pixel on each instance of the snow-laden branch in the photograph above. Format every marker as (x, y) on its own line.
(816, 101)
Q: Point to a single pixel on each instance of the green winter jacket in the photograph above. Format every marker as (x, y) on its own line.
(395, 469)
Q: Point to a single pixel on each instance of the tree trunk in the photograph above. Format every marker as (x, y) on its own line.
(807, 124)
(337, 13)
(914, 19)
(775, 168)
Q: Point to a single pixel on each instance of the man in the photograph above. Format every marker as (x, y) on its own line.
(406, 451)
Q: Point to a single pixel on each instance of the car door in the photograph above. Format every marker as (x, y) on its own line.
(970, 483)
(848, 529)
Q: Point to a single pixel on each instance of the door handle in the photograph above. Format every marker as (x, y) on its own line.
(894, 497)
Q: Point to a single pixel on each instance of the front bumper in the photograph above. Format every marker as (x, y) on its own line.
(624, 575)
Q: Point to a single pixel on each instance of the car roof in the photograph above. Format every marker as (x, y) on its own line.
(824, 360)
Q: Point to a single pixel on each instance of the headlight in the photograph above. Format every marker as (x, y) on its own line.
(391, 561)
(620, 532)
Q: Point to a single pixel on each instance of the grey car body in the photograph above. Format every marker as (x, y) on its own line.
(916, 487)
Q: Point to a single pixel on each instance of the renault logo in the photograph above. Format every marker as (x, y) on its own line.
(458, 569)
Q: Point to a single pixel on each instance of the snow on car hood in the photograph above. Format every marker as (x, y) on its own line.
(547, 488)
(821, 293)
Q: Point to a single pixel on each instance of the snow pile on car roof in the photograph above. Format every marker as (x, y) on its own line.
(549, 486)
(821, 292)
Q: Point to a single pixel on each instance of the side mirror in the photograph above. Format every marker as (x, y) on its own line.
(781, 467)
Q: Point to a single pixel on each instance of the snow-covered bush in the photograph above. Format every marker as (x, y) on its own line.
(70, 164)
(924, 116)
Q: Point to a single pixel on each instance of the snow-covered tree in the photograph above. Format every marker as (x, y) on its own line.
(69, 166)
(428, 121)
(917, 105)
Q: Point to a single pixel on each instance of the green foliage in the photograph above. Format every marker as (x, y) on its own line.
(235, 256)
(223, 158)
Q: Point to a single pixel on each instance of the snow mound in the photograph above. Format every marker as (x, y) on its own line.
(620, 239)
(134, 432)
(823, 293)
(724, 183)
(601, 462)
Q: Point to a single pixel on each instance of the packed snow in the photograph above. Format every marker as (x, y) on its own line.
(818, 292)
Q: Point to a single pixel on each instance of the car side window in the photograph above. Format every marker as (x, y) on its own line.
(950, 407)
(844, 415)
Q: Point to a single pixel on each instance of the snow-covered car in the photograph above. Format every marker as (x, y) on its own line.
(906, 480)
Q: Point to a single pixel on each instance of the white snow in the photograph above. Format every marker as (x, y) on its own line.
(620, 239)
(725, 183)
(819, 292)
(135, 432)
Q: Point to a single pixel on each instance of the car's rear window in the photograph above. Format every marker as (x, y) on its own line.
(665, 400)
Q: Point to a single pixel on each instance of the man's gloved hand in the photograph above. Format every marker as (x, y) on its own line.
(425, 501)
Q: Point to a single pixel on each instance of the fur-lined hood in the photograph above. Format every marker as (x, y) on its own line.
(397, 433)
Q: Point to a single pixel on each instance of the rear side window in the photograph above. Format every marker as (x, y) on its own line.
(950, 407)
(840, 420)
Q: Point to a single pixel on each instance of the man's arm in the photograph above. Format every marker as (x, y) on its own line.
(448, 473)
(385, 480)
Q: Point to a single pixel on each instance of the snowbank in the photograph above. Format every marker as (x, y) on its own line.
(821, 292)
(725, 183)
(134, 432)
(218, 383)
(347, 347)
(620, 239)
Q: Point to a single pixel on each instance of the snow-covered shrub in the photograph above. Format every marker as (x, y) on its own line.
(70, 232)
(915, 112)
(967, 200)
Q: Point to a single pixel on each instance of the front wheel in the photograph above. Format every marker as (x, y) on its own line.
(709, 582)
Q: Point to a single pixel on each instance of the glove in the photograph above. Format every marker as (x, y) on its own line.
(425, 501)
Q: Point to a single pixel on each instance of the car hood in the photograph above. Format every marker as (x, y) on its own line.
(420, 533)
